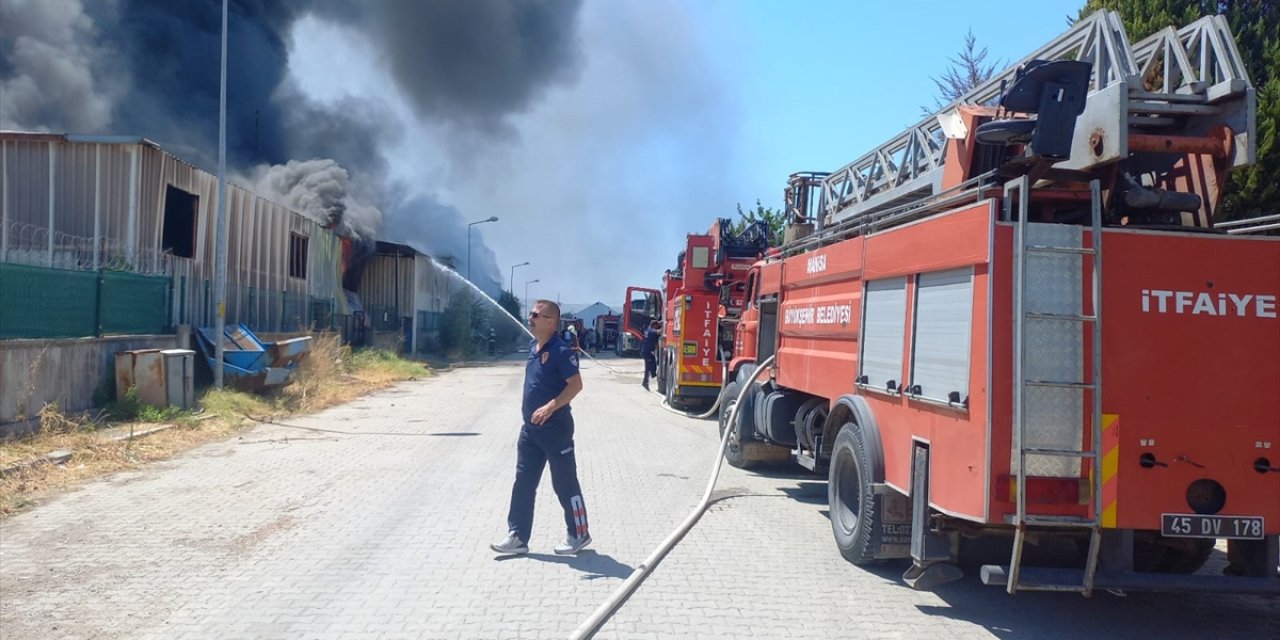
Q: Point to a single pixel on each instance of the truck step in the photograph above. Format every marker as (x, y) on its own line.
(1071, 522)
(1041, 248)
(1058, 383)
(1074, 317)
(1065, 453)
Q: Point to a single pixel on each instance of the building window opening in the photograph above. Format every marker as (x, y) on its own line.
(297, 256)
(181, 210)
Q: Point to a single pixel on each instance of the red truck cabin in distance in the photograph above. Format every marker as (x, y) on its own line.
(704, 296)
(606, 326)
(1022, 320)
(642, 307)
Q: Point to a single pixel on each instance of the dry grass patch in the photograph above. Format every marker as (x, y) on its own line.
(333, 374)
(330, 375)
(93, 456)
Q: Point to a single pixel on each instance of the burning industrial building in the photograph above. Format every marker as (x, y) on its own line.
(109, 144)
(149, 68)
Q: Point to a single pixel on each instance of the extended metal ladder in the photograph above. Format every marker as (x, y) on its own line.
(1199, 69)
(1049, 394)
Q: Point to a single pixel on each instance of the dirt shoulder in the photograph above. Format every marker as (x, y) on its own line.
(72, 449)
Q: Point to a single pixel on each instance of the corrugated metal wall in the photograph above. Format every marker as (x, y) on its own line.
(105, 207)
(431, 286)
(378, 283)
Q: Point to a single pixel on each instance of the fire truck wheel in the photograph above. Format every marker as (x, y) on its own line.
(675, 402)
(850, 497)
(733, 449)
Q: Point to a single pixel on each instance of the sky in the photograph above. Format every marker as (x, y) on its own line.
(679, 112)
(598, 132)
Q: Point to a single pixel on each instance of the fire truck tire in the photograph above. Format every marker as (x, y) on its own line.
(661, 375)
(734, 451)
(674, 401)
(850, 496)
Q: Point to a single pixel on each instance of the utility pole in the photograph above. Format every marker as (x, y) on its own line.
(220, 256)
(526, 295)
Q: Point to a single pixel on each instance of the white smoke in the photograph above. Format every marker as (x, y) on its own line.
(51, 58)
(320, 189)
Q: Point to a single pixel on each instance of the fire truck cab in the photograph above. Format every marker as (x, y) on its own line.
(642, 307)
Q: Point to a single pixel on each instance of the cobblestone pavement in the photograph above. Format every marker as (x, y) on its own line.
(372, 520)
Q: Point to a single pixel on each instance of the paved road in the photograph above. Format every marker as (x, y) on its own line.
(381, 531)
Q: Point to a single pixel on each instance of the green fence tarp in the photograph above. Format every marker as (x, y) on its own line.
(36, 302)
(39, 302)
(134, 304)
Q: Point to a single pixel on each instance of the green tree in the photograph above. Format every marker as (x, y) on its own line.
(775, 219)
(1255, 23)
(506, 330)
(968, 70)
(457, 324)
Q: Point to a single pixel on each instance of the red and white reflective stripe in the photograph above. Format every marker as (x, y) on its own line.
(579, 516)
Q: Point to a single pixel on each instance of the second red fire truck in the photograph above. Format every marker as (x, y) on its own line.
(701, 300)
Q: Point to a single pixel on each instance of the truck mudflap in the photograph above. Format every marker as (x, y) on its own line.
(893, 540)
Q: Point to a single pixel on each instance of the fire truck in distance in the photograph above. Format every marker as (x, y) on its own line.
(1022, 320)
(606, 326)
(642, 307)
(702, 299)
(579, 328)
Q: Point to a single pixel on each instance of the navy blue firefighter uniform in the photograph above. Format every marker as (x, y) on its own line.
(648, 349)
(545, 376)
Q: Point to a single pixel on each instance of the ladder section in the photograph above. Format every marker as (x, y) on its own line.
(1170, 84)
(1052, 313)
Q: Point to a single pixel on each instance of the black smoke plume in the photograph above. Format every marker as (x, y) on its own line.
(151, 68)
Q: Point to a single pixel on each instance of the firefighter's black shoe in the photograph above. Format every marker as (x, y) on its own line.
(645, 384)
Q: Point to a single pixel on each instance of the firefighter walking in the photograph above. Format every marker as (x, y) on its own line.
(649, 349)
(551, 380)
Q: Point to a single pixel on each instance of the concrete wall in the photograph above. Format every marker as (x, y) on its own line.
(35, 372)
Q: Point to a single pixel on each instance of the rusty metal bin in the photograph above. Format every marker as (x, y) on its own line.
(163, 377)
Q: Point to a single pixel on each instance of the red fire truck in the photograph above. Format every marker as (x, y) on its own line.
(702, 299)
(1021, 320)
(642, 307)
(606, 326)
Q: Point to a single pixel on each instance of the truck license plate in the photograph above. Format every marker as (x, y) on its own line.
(1184, 525)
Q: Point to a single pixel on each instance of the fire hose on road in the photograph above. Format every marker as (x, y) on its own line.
(610, 606)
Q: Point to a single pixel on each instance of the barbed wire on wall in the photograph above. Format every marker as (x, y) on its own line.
(39, 247)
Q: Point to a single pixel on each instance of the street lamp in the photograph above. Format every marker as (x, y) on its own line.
(526, 294)
(220, 240)
(513, 276)
(469, 225)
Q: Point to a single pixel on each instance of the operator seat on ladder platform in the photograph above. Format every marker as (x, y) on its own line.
(1055, 92)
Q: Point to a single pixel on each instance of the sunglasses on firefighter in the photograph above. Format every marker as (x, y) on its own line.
(533, 315)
